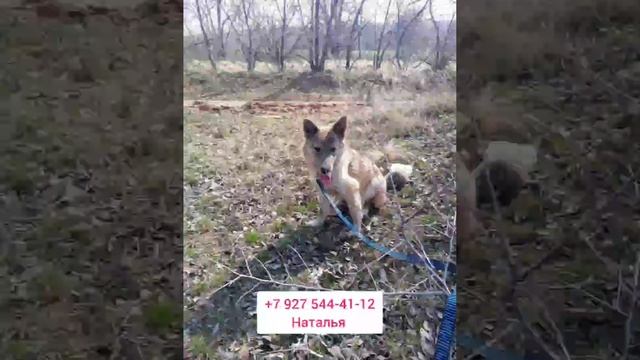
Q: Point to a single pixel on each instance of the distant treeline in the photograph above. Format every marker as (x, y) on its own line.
(314, 31)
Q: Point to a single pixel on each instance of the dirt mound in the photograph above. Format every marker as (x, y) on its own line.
(275, 108)
(215, 85)
(233, 85)
(310, 82)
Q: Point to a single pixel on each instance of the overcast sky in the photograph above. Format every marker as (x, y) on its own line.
(442, 10)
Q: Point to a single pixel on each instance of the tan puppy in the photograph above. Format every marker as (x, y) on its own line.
(345, 173)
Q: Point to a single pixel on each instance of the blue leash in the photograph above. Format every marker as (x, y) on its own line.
(448, 323)
(410, 258)
(447, 330)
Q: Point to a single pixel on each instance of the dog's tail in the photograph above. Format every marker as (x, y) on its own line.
(398, 176)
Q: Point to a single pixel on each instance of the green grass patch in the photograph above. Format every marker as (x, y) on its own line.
(429, 220)
(207, 202)
(191, 177)
(200, 348)
(306, 208)
(50, 284)
(162, 316)
(190, 253)
(19, 350)
(215, 281)
(200, 288)
(284, 242)
(285, 210)
(448, 118)
(253, 238)
(421, 165)
(196, 164)
(20, 179)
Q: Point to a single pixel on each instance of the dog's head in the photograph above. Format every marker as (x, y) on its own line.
(322, 146)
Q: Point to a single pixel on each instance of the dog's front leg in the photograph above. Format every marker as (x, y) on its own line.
(325, 211)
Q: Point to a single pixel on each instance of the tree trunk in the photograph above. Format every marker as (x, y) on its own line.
(359, 45)
(282, 37)
(207, 41)
(251, 61)
(438, 63)
(223, 52)
(352, 34)
(250, 53)
(397, 54)
(404, 32)
(338, 40)
(315, 60)
(328, 38)
(378, 57)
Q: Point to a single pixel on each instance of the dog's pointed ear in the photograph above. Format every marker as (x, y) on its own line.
(310, 129)
(340, 127)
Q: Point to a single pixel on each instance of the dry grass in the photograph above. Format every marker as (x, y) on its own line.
(267, 173)
(509, 41)
(248, 195)
(560, 76)
(388, 67)
(89, 188)
(233, 83)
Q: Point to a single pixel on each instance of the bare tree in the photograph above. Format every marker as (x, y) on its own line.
(223, 32)
(278, 46)
(321, 38)
(382, 40)
(355, 33)
(315, 57)
(314, 50)
(338, 35)
(330, 29)
(248, 49)
(246, 17)
(283, 36)
(274, 31)
(200, 10)
(440, 58)
(401, 31)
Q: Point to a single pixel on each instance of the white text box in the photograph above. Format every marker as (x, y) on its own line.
(320, 312)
